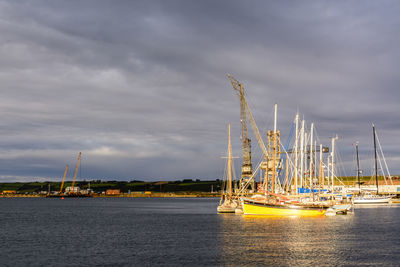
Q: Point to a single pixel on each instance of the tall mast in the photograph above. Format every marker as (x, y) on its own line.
(328, 170)
(229, 163)
(311, 156)
(333, 163)
(358, 169)
(296, 144)
(376, 159)
(320, 172)
(301, 153)
(274, 147)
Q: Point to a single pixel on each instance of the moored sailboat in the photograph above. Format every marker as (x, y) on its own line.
(368, 198)
(228, 203)
(276, 205)
(271, 203)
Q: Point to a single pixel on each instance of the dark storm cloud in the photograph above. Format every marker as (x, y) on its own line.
(140, 87)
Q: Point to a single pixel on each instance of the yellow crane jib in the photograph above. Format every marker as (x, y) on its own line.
(76, 170)
(63, 180)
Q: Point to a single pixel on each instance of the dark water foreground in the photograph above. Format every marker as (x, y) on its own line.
(173, 232)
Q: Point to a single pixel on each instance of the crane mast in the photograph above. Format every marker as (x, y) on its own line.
(270, 169)
(76, 170)
(247, 168)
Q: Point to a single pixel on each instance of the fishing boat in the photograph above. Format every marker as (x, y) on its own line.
(367, 197)
(228, 203)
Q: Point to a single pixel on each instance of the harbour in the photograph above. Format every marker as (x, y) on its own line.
(167, 231)
(199, 133)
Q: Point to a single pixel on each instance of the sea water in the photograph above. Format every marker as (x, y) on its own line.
(188, 231)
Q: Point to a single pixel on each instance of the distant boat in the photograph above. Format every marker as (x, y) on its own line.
(228, 203)
(371, 199)
(367, 197)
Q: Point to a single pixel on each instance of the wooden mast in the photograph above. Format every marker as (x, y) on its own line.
(229, 163)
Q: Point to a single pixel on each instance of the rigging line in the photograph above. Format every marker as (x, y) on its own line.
(290, 161)
(334, 176)
(283, 159)
(252, 106)
(250, 179)
(316, 136)
(383, 156)
(233, 170)
(382, 170)
(340, 162)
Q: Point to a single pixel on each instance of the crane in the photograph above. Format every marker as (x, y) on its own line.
(62, 183)
(247, 168)
(76, 170)
(238, 87)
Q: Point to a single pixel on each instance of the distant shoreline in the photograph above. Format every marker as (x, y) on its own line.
(132, 195)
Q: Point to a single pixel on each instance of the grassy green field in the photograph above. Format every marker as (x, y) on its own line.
(186, 185)
(124, 186)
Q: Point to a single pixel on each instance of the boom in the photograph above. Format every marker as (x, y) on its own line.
(76, 170)
(239, 89)
(62, 183)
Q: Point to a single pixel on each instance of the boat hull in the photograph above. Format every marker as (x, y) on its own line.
(281, 210)
(373, 200)
(227, 207)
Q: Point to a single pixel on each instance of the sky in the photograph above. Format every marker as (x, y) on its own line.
(140, 87)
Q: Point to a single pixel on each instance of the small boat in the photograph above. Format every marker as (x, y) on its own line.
(371, 199)
(228, 203)
(342, 208)
(227, 206)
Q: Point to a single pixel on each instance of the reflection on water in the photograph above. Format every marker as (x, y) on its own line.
(368, 237)
(187, 232)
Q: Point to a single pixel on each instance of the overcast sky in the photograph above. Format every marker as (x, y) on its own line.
(140, 87)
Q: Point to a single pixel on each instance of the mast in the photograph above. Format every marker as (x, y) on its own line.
(328, 170)
(287, 174)
(320, 172)
(229, 163)
(296, 152)
(274, 147)
(302, 153)
(311, 158)
(358, 170)
(333, 163)
(376, 159)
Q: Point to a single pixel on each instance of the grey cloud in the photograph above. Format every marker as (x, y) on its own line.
(140, 87)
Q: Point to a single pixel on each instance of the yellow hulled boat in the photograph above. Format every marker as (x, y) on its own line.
(257, 207)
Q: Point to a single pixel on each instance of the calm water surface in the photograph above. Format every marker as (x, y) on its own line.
(174, 232)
